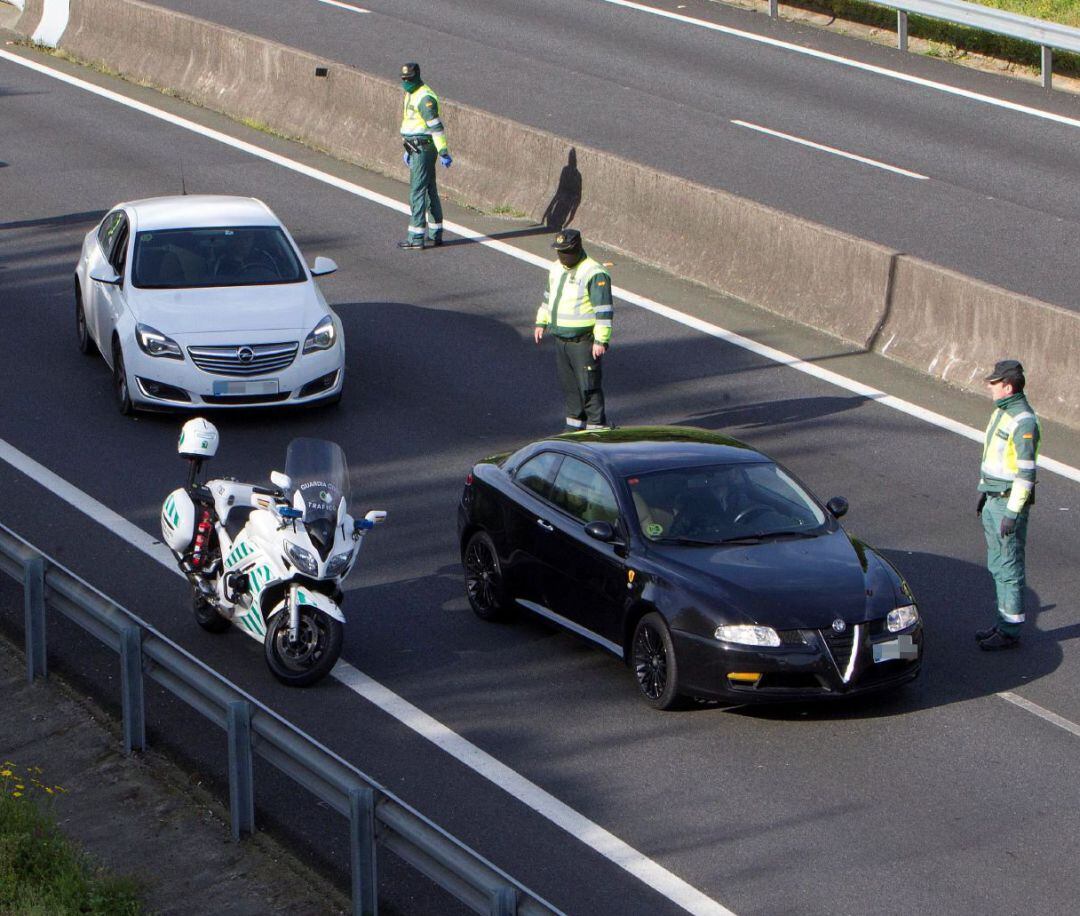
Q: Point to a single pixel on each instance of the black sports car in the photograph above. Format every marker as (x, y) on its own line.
(701, 562)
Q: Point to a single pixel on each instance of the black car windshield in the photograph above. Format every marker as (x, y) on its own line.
(226, 256)
(709, 505)
(319, 475)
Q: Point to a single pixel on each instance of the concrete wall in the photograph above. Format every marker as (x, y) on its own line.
(874, 298)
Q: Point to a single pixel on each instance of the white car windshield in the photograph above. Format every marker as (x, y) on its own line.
(226, 256)
(724, 503)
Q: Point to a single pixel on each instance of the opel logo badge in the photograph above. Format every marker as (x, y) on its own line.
(838, 625)
(245, 354)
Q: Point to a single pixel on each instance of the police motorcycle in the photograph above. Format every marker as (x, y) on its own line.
(269, 560)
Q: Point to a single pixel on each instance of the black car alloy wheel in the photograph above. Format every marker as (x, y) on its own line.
(120, 382)
(483, 578)
(86, 342)
(653, 659)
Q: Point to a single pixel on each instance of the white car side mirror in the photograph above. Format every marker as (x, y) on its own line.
(108, 276)
(323, 266)
(282, 481)
(375, 516)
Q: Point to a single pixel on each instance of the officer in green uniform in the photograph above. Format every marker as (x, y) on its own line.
(577, 309)
(1006, 494)
(423, 137)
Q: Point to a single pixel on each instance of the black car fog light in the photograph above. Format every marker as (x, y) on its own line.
(322, 383)
(162, 391)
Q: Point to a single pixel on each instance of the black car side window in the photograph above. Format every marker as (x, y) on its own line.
(582, 491)
(118, 255)
(537, 473)
(107, 231)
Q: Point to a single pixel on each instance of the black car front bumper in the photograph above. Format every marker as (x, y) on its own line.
(809, 664)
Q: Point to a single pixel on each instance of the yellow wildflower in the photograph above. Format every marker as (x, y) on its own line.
(19, 786)
(17, 794)
(47, 789)
(5, 772)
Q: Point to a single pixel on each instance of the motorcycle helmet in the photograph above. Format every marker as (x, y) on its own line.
(198, 439)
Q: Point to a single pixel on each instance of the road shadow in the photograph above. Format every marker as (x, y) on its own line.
(499, 236)
(771, 413)
(87, 218)
(563, 206)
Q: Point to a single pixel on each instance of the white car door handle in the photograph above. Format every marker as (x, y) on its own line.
(547, 526)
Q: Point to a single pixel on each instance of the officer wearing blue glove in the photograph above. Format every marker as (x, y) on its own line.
(423, 137)
(1006, 494)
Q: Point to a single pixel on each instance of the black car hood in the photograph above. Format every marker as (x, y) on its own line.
(786, 584)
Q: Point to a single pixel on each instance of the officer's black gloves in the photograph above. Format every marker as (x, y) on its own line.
(1008, 526)
(980, 504)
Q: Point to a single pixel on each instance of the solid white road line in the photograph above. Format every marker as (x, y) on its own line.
(846, 62)
(713, 330)
(1036, 710)
(622, 854)
(830, 149)
(344, 6)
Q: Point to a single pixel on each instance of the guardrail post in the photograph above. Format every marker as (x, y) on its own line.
(34, 600)
(901, 30)
(362, 864)
(504, 902)
(1047, 67)
(131, 689)
(241, 777)
(774, 9)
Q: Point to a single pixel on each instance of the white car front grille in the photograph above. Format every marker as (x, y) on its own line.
(244, 359)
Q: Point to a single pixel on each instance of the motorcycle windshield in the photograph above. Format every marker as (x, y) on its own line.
(320, 475)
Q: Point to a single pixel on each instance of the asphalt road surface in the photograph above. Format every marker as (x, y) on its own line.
(942, 798)
(999, 202)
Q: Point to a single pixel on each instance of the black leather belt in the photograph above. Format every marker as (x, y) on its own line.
(997, 495)
(577, 337)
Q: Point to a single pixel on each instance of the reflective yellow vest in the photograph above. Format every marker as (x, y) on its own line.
(567, 304)
(414, 124)
(1010, 452)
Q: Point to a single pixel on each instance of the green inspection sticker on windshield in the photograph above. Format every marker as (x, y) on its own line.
(654, 530)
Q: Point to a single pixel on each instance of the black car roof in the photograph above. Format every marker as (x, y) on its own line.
(639, 449)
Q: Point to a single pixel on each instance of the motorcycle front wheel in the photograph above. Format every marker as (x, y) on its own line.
(313, 654)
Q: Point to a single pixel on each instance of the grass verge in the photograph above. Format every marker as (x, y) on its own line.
(41, 872)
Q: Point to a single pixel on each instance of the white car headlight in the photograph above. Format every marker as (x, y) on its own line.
(322, 337)
(303, 559)
(902, 618)
(154, 343)
(746, 635)
(337, 564)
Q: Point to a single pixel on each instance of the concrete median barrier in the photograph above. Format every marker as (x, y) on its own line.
(868, 295)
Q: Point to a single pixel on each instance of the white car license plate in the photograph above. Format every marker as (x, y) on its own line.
(901, 647)
(265, 386)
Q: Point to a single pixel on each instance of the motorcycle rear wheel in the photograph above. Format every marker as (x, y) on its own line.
(207, 616)
(315, 652)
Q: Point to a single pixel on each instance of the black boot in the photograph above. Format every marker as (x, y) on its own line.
(999, 641)
(412, 244)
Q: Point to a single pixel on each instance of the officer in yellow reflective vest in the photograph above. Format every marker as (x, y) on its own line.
(577, 310)
(1006, 493)
(423, 137)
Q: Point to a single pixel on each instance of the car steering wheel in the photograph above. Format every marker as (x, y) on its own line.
(750, 512)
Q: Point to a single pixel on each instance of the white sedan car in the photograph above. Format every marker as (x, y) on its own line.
(205, 301)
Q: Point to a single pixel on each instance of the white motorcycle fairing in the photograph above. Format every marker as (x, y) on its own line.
(307, 596)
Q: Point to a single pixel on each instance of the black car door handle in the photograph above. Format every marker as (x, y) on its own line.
(547, 526)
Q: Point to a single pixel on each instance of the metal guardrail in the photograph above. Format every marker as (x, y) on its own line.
(376, 816)
(1047, 35)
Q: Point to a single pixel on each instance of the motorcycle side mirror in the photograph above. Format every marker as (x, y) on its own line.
(286, 512)
(837, 506)
(282, 481)
(370, 520)
(323, 266)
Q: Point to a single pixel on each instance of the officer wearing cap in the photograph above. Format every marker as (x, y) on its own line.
(1006, 494)
(423, 137)
(577, 310)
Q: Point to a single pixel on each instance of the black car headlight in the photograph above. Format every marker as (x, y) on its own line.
(302, 559)
(902, 618)
(322, 337)
(747, 635)
(153, 343)
(337, 564)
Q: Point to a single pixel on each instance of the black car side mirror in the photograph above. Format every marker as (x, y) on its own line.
(837, 506)
(602, 531)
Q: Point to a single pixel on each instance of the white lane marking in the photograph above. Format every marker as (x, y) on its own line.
(830, 149)
(657, 308)
(344, 6)
(594, 836)
(846, 62)
(54, 20)
(1041, 711)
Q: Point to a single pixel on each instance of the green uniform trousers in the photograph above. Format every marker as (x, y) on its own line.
(1005, 560)
(423, 194)
(580, 377)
